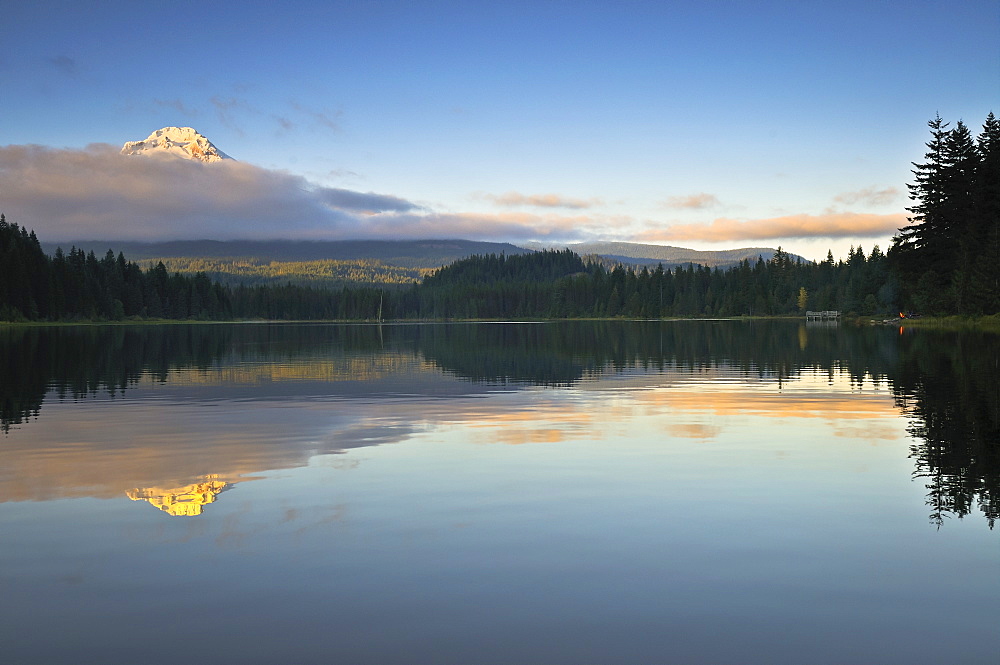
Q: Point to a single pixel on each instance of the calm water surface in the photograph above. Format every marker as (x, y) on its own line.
(675, 492)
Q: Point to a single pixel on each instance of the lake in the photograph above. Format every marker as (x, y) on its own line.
(573, 492)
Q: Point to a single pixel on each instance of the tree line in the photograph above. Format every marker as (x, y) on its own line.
(946, 261)
(559, 284)
(547, 284)
(78, 285)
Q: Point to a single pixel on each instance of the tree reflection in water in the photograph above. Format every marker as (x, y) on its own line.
(947, 383)
(944, 382)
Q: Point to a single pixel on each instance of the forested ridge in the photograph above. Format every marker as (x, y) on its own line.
(547, 284)
(946, 261)
(328, 273)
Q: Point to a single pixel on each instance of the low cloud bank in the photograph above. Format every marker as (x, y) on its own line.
(97, 193)
(484, 226)
(829, 225)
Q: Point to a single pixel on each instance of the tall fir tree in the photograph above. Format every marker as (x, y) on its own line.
(916, 251)
(986, 232)
(947, 260)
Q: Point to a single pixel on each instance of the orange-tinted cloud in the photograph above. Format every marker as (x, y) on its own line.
(827, 225)
(699, 201)
(516, 199)
(483, 226)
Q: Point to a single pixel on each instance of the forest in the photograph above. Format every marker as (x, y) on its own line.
(946, 261)
(548, 284)
(327, 273)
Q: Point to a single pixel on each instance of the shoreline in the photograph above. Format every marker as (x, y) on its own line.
(986, 322)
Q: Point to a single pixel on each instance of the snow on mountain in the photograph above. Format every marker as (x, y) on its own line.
(182, 142)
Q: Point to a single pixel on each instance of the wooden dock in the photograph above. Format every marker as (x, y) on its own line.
(827, 315)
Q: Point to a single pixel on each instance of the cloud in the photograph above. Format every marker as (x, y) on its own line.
(230, 109)
(227, 109)
(323, 118)
(285, 124)
(516, 199)
(97, 193)
(177, 105)
(699, 201)
(64, 64)
(870, 196)
(474, 226)
(367, 203)
(828, 225)
(342, 173)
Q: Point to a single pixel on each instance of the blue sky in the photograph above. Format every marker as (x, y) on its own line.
(710, 124)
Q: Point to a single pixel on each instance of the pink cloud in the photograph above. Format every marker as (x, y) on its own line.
(699, 201)
(477, 226)
(516, 199)
(828, 225)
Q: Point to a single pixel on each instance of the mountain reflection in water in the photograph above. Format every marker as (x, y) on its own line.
(388, 381)
(187, 501)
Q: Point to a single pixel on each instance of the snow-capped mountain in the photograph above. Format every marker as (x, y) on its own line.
(178, 141)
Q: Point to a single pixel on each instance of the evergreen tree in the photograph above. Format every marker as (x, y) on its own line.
(917, 250)
(985, 234)
(946, 260)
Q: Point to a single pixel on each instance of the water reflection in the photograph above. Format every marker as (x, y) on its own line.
(187, 501)
(134, 400)
(948, 385)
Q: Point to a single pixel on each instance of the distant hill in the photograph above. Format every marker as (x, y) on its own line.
(639, 254)
(339, 263)
(412, 254)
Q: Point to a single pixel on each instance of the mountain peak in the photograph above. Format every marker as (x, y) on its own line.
(182, 142)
